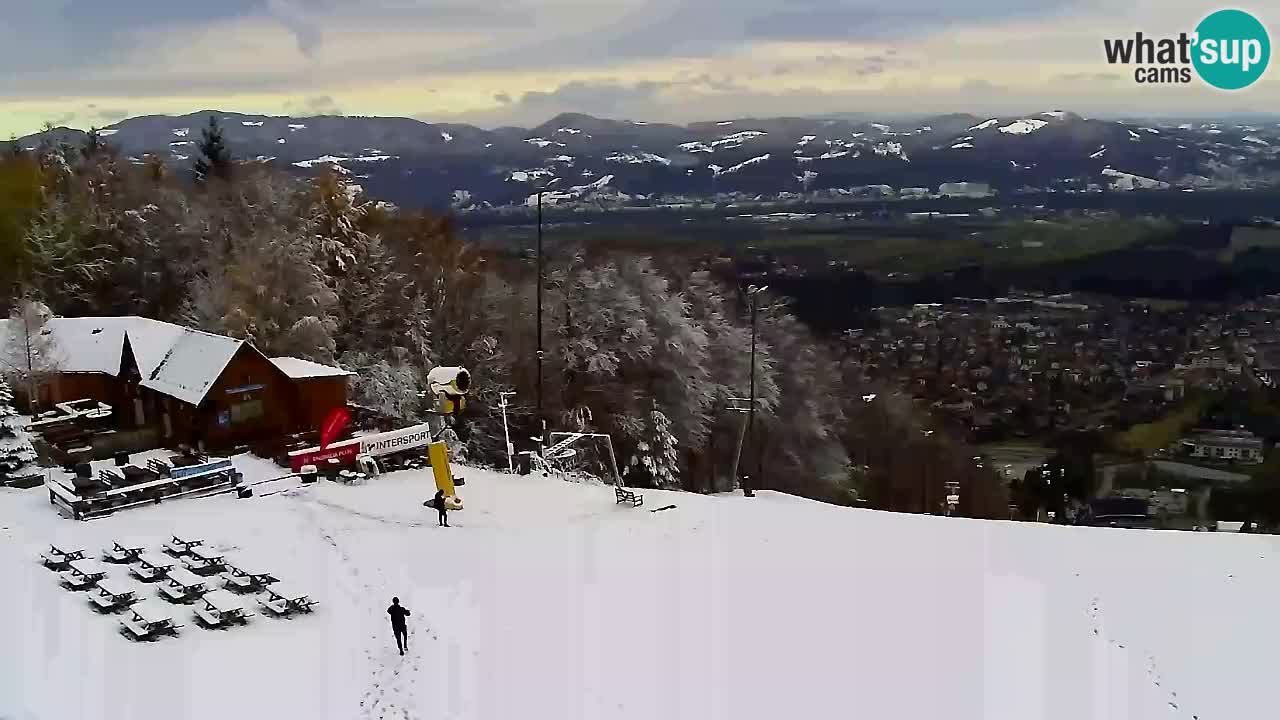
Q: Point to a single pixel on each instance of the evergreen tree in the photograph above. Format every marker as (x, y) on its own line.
(337, 225)
(93, 143)
(215, 158)
(16, 453)
(657, 458)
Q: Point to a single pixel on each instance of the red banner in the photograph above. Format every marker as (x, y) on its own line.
(345, 453)
(334, 425)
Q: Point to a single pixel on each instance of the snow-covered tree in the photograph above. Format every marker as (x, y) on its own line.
(64, 259)
(391, 389)
(656, 459)
(269, 291)
(16, 453)
(30, 352)
(336, 223)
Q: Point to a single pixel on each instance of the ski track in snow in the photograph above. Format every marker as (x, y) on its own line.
(1152, 667)
(392, 689)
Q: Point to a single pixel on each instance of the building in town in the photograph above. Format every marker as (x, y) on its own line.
(1233, 445)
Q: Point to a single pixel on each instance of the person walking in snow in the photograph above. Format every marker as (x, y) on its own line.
(438, 502)
(398, 613)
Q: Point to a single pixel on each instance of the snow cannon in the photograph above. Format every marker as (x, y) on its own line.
(438, 454)
(450, 386)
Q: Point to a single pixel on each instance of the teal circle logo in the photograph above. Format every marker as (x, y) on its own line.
(1232, 49)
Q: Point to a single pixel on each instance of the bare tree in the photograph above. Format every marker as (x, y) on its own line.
(30, 352)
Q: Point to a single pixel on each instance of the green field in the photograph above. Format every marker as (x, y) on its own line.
(1246, 238)
(1158, 435)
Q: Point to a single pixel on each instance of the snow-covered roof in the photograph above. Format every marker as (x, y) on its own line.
(191, 365)
(174, 360)
(297, 368)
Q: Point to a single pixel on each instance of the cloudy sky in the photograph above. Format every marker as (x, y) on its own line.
(494, 62)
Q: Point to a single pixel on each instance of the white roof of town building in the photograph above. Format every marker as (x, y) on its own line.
(297, 368)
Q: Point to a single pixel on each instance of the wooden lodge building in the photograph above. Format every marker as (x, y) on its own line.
(184, 386)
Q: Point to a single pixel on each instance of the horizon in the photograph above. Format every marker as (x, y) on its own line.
(1239, 116)
(518, 62)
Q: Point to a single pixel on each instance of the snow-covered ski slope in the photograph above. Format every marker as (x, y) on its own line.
(546, 600)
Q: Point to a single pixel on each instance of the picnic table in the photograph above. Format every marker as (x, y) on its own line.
(183, 586)
(221, 608)
(178, 547)
(112, 595)
(204, 560)
(151, 567)
(247, 578)
(134, 475)
(148, 619)
(58, 558)
(284, 600)
(83, 574)
(124, 551)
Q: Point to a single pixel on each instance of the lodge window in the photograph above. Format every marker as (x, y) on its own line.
(247, 411)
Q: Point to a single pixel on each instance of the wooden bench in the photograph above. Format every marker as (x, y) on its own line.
(627, 496)
(150, 567)
(284, 601)
(247, 578)
(203, 560)
(57, 559)
(147, 619)
(111, 478)
(159, 467)
(179, 547)
(83, 574)
(137, 629)
(182, 586)
(220, 609)
(123, 552)
(111, 596)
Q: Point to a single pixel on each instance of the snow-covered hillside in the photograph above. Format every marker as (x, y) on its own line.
(547, 600)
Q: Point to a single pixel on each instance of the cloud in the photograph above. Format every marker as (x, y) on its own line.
(63, 119)
(609, 98)
(111, 115)
(297, 17)
(499, 61)
(318, 105)
(1088, 77)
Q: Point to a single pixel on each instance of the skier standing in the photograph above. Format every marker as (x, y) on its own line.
(398, 613)
(438, 503)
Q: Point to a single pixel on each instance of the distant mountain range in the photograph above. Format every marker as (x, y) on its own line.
(595, 160)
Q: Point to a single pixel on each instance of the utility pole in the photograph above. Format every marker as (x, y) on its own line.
(751, 401)
(542, 424)
(506, 435)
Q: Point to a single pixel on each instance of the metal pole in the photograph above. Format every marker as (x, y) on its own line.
(506, 435)
(542, 424)
(751, 408)
(737, 455)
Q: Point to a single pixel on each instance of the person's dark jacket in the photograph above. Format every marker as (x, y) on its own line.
(398, 613)
(438, 501)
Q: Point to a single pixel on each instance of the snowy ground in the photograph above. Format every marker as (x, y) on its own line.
(548, 601)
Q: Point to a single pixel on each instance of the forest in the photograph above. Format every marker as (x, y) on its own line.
(647, 348)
